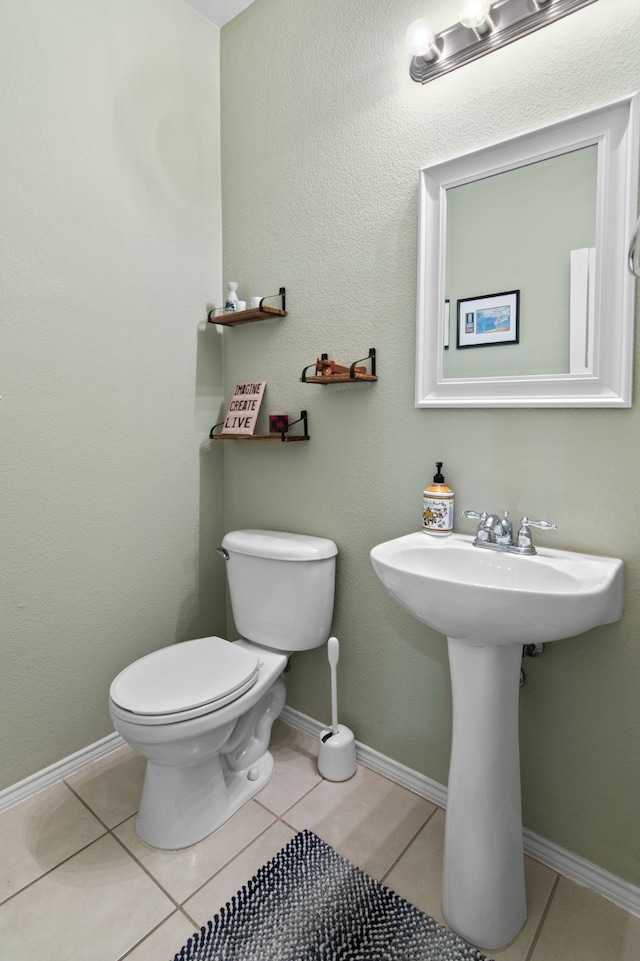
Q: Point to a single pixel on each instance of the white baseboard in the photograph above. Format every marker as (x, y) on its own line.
(607, 885)
(592, 876)
(51, 775)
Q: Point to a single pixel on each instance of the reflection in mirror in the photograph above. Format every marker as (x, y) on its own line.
(520, 226)
(524, 297)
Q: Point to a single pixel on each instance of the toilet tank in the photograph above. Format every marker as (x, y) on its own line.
(282, 587)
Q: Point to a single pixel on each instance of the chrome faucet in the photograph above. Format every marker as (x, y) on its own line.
(496, 533)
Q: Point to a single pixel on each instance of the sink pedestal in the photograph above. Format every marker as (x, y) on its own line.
(483, 896)
(498, 601)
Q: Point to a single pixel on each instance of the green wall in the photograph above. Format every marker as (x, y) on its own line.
(110, 248)
(322, 137)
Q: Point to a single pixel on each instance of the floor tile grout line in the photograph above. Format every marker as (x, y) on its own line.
(191, 919)
(543, 918)
(297, 800)
(146, 870)
(223, 866)
(408, 845)
(55, 867)
(88, 806)
(182, 905)
(111, 832)
(108, 827)
(148, 934)
(277, 820)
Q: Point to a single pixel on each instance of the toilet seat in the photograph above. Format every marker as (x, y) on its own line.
(185, 680)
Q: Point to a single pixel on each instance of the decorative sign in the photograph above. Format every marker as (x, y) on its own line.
(244, 408)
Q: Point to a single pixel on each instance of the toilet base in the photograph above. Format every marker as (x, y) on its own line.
(202, 769)
(180, 807)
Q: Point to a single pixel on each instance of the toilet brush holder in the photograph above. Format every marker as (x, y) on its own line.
(337, 748)
(337, 754)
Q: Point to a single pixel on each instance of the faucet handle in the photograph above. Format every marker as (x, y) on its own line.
(524, 534)
(475, 516)
(484, 534)
(543, 525)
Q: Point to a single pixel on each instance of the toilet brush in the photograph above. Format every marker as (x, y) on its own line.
(337, 748)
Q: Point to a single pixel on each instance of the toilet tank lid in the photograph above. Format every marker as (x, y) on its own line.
(279, 545)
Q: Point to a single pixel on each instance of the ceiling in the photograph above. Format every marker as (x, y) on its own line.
(219, 11)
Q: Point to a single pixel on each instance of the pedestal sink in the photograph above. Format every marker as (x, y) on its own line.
(489, 604)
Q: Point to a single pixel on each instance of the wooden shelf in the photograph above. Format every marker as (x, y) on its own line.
(339, 379)
(283, 437)
(251, 316)
(246, 316)
(328, 372)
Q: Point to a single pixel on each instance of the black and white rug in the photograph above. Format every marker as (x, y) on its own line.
(310, 904)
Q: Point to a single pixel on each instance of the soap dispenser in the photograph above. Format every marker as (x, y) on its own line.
(437, 506)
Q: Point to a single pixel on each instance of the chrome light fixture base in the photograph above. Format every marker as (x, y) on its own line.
(510, 20)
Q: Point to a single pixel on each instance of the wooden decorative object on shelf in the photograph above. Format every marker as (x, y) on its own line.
(329, 372)
(285, 436)
(232, 318)
(329, 368)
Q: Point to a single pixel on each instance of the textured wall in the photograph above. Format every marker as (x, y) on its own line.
(323, 134)
(109, 250)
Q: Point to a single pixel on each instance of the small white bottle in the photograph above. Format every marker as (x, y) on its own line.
(232, 297)
(437, 506)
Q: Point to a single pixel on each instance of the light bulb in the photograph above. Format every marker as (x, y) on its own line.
(421, 40)
(475, 14)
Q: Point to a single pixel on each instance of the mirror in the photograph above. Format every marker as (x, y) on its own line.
(524, 297)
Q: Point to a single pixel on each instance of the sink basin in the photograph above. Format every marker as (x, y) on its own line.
(489, 597)
(489, 604)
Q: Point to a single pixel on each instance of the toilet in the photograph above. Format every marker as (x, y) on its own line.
(201, 711)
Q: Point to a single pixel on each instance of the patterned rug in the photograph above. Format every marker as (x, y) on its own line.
(310, 904)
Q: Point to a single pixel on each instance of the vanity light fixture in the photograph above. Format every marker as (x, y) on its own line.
(483, 27)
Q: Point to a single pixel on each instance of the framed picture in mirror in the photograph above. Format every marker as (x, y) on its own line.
(489, 321)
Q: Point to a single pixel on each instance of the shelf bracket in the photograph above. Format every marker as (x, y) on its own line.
(281, 293)
(370, 356)
(302, 418)
(303, 377)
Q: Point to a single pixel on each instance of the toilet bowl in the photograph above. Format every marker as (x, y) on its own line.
(201, 712)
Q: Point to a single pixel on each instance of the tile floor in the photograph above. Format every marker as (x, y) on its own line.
(76, 883)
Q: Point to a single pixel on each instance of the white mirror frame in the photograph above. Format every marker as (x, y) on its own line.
(608, 383)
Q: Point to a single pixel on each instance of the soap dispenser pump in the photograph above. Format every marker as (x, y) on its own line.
(437, 506)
